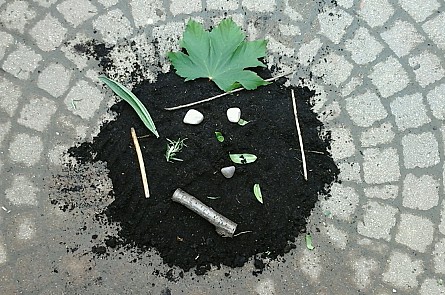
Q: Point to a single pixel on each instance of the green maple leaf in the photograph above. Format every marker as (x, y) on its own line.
(220, 55)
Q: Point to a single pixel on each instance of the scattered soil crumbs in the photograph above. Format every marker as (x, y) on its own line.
(183, 238)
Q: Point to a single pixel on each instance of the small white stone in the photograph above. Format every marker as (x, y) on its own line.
(228, 171)
(193, 117)
(234, 114)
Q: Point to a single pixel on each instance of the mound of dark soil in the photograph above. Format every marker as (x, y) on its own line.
(183, 238)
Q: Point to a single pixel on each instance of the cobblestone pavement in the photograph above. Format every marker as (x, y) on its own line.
(378, 69)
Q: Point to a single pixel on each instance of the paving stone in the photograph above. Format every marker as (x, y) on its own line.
(362, 268)
(375, 12)
(364, 48)
(113, 26)
(289, 30)
(333, 23)
(427, 68)
(381, 165)
(384, 192)
(54, 79)
(342, 203)
(378, 220)
(365, 109)
(420, 150)
(3, 253)
(308, 51)
(419, 12)
(432, 286)
(7, 41)
(37, 113)
(108, 3)
(26, 229)
(349, 172)
(185, 7)
(291, 12)
(22, 62)
(259, 6)
(265, 286)
(442, 218)
(439, 257)
(402, 271)
(425, 186)
(147, 12)
(402, 37)
(351, 86)
(415, 232)
(309, 263)
(332, 111)
(377, 135)
(342, 145)
(48, 33)
(45, 3)
(345, 3)
(389, 77)
(275, 46)
(222, 4)
(26, 149)
(77, 11)
(17, 15)
(167, 36)
(86, 99)
(27, 265)
(338, 237)
(10, 96)
(22, 192)
(434, 29)
(333, 69)
(436, 100)
(409, 111)
(7, 280)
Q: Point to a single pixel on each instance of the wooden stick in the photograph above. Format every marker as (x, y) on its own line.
(222, 94)
(224, 226)
(141, 163)
(300, 139)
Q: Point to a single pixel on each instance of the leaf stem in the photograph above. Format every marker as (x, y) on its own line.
(300, 139)
(141, 163)
(222, 94)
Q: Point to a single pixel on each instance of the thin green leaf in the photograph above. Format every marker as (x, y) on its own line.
(257, 192)
(124, 93)
(242, 122)
(309, 242)
(219, 136)
(220, 55)
(212, 198)
(242, 158)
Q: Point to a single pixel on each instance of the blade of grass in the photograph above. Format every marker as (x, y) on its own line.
(124, 93)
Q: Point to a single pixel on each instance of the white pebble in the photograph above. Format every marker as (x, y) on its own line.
(234, 114)
(193, 117)
(228, 171)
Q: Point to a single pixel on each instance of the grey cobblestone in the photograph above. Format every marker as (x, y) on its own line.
(409, 111)
(7, 41)
(334, 69)
(420, 150)
(377, 135)
(378, 221)
(48, 33)
(439, 257)
(427, 68)
(419, 12)
(402, 271)
(22, 191)
(343, 205)
(333, 23)
(425, 186)
(77, 11)
(375, 12)
(147, 13)
(432, 286)
(365, 109)
(26, 149)
(384, 192)
(415, 232)
(389, 77)
(402, 37)
(10, 96)
(22, 62)
(37, 113)
(433, 29)
(113, 26)
(16, 15)
(55, 79)
(364, 48)
(381, 165)
(76, 99)
(437, 101)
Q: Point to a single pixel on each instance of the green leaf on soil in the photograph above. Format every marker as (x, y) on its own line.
(219, 136)
(309, 242)
(242, 158)
(212, 198)
(124, 93)
(242, 122)
(257, 192)
(220, 55)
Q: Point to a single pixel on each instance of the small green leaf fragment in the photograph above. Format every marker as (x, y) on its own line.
(124, 93)
(257, 192)
(219, 136)
(213, 198)
(242, 122)
(309, 242)
(242, 158)
(327, 213)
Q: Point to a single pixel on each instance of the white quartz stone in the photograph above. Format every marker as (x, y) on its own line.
(193, 117)
(234, 114)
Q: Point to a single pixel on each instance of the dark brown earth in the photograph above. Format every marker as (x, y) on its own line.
(181, 237)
